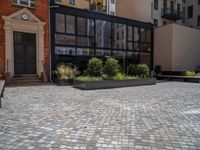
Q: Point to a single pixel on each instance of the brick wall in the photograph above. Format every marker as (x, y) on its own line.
(41, 11)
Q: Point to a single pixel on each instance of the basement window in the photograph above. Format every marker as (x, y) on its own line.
(25, 3)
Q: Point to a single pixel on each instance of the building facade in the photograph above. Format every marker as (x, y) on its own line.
(191, 13)
(158, 12)
(78, 35)
(24, 40)
(103, 6)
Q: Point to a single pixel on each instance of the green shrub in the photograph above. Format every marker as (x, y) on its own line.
(132, 70)
(88, 78)
(131, 78)
(143, 70)
(197, 74)
(120, 76)
(189, 73)
(158, 69)
(63, 71)
(95, 67)
(111, 67)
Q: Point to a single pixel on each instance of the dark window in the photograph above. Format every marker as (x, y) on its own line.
(72, 2)
(190, 12)
(156, 4)
(198, 21)
(165, 4)
(179, 9)
(183, 14)
(112, 1)
(198, 2)
(155, 22)
(60, 23)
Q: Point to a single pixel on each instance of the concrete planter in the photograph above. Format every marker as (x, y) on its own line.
(178, 78)
(64, 82)
(106, 84)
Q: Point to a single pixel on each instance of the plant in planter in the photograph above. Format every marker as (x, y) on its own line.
(132, 70)
(65, 74)
(95, 67)
(111, 67)
(143, 70)
(158, 69)
(189, 73)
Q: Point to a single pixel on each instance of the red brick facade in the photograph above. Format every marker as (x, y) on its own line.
(40, 11)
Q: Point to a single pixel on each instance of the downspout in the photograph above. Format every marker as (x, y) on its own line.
(49, 6)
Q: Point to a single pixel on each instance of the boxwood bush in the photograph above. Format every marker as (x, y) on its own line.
(111, 67)
(143, 70)
(189, 73)
(132, 70)
(95, 67)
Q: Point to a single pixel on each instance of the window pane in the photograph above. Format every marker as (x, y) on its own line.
(85, 52)
(119, 36)
(101, 52)
(133, 57)
(60, 23)
(70, 24)
(65, 51)
(84, 41)
(130, 46)
(81, 22)
(136, 47)
(90, 27)
(145, 47)
(130, 33)
(145, 58)
(65, 39)
(119, 54)
(143, 35)
(103, 34)
(136, 34)
(148, 38)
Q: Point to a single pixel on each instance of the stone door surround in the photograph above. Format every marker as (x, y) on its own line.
(23, 21)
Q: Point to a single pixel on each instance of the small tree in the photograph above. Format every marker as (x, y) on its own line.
(95, 67)
(111, 67)
(143, 70)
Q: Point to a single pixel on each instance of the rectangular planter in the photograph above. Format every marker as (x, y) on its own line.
(179, 78)
(106, 84)
(64, 82)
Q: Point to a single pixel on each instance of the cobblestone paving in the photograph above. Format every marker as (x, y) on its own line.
(164, 116)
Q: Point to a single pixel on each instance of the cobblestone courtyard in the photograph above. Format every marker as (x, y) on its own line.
(164, 116)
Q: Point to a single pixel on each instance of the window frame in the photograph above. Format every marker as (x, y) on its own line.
(18, 3)
(156, 4)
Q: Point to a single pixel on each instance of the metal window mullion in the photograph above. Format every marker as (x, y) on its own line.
(95, 37)
(139, 44)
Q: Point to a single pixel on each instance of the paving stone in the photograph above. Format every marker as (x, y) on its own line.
(163, 116)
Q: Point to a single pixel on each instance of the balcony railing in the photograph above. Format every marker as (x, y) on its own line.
(98, 8)
(171, 14)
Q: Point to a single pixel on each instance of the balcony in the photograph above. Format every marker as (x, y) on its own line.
(171, 14)
(98, 8)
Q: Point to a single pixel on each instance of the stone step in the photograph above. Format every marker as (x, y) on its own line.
(19, 80)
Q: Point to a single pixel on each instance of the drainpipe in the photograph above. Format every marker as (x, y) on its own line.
(50, 77)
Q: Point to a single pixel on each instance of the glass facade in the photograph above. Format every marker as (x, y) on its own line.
(78, 35)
